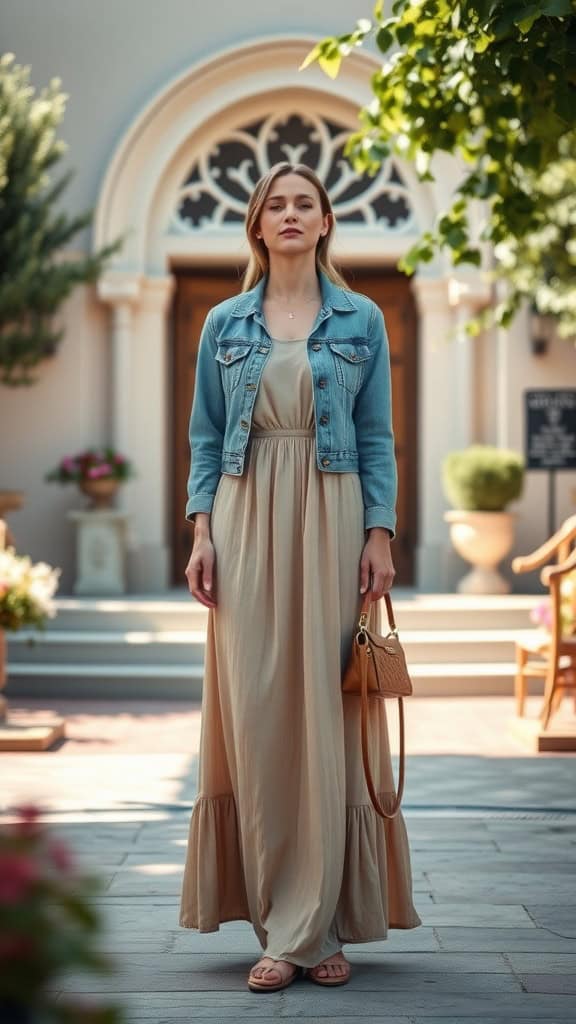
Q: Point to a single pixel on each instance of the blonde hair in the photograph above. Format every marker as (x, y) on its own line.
(258, 263)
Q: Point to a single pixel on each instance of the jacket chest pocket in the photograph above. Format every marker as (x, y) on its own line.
(232, 359)
(351, 362)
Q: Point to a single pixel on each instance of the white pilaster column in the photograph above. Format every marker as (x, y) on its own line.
(138, 392)
(436, 404)
(122, 293)
(463, 353)
(148, 498)
(447, 414)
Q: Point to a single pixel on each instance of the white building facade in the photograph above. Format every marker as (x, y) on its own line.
(169, 168)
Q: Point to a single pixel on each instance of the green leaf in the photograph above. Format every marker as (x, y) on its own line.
(557, 8)
(312, 56)
(467, 256)
(525, 23)
(455, 237)
(405, 34)
(384, 39)
(330, 64)
(482, 44)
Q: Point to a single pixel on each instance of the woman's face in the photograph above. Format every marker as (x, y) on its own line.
(291, 220)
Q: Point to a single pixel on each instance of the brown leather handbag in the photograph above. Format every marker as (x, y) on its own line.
(377, 668)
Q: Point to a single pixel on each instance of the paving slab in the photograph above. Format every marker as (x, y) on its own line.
(555, 983)
(493, 841)
(502, 940)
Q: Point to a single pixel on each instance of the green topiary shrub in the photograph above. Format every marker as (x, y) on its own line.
(482, 478)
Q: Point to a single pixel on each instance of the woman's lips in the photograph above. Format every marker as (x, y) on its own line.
(291, 231)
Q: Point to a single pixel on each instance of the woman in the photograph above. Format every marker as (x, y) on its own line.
(292, 490)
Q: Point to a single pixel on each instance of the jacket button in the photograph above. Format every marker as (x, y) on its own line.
(227, 357)
(316, 347)
(322, 383)
(262, 349)
(244, 424)
(323, 420)
(325, 462)
(250, 387)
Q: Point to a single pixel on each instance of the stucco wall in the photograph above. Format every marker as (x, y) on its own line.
(113, 57)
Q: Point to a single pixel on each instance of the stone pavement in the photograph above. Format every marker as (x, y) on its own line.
(492, 830)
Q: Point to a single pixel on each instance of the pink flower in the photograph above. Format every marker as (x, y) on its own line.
(69, 463)
(17, 875)
(541, 614)
(97, 472)
(29, 823)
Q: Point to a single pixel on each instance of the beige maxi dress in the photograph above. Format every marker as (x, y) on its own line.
(282, 832)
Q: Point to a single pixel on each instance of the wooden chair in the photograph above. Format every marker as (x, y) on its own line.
(553, 656)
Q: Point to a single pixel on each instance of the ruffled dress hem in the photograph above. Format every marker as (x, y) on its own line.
(361, 916)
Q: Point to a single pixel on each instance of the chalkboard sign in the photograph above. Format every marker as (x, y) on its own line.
(550, 436)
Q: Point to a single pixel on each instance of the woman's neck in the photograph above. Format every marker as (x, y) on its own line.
(290, 281)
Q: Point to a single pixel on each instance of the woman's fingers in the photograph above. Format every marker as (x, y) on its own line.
(200, 576)
(364, 575)
(382, 580)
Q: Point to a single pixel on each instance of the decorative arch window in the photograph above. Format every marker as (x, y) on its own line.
(217, 188)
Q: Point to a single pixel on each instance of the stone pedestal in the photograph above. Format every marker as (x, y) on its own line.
(100, 551)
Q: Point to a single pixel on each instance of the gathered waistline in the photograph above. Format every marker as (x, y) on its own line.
(284, 433)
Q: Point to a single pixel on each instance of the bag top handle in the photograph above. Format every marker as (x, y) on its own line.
(368, 601)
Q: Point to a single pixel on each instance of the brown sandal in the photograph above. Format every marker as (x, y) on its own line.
(312, 972)
(259, 985)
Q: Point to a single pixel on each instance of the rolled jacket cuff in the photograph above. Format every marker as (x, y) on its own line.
(379, 515)
(198, 503)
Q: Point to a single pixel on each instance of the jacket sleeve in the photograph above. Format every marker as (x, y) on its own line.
(374, 433)
(207, 426)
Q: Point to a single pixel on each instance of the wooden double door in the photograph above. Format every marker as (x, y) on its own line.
(196, 292)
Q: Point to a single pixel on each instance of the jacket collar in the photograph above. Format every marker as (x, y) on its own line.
(333, 297)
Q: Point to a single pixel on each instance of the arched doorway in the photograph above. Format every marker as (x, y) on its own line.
(166, 189)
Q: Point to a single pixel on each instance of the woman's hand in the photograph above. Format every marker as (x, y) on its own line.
(376, 561)
(200, 569)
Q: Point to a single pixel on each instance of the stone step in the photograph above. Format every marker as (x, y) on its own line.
(413, 611)
(184, 681)
(100, 647)
(169, 647)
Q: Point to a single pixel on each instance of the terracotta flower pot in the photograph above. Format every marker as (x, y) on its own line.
(100, 491)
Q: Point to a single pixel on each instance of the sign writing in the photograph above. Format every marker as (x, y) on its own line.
(550, 437)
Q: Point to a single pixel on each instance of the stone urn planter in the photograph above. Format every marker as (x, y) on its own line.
(483, 539)
(101, 492)
(479, 482)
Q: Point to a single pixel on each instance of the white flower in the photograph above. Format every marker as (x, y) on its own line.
(35, 582)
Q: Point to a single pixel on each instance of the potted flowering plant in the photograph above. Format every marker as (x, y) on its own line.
(97, 471)
(48, 925)
(26, 592)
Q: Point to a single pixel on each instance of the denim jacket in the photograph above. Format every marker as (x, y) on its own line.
(349, 360)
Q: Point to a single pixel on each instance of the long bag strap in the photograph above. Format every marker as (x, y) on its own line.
(365, 758)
